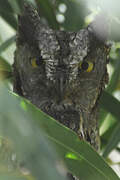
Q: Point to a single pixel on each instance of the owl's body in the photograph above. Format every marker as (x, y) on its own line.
(51, 69)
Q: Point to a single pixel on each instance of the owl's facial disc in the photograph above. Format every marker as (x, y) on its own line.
(61, 74)
(58, 66)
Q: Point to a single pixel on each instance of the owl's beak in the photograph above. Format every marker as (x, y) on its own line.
(61, 81)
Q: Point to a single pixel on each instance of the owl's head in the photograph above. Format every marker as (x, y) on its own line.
(58, 67)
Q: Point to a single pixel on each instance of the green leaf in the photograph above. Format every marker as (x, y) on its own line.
(110, 104)
(7, 43)
(102, 116)
(11, 177)
(113, 141)
(5, 69)
(111, 86)
(75, 14)
(32, 149)
(9, 18)
(78, 155)
(115, 76)
(107, 124)
(17, 5)
(5, 172)
(6, 6)
(14, 176)
(107, 129)
(6, 12)
(47, 10)
(118, 149)
(115, 52)
(4, 65)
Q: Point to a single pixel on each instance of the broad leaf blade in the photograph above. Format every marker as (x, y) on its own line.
(46, 9)
(67, 143)
(4, 65)
(6, 12)
(14, 176)
(33, 150)
(74, 15)
(115, 76)
(78, 155)
(7, 43)
(113, 141)
(17, 5)
(11, 177)
(110, 104)
(5, 69)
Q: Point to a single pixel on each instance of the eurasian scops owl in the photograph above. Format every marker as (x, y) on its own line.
(62, 73)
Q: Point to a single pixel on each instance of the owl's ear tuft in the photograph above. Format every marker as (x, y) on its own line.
(27, 24)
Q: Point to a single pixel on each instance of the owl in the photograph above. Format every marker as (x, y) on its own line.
(62, 73)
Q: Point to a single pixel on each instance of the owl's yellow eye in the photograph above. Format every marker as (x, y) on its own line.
(37, 61)
(33, 62)
(86, 66)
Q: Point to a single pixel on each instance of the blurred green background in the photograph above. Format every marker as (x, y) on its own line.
(72, 15)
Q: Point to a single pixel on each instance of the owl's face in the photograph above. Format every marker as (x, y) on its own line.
(59, 69)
